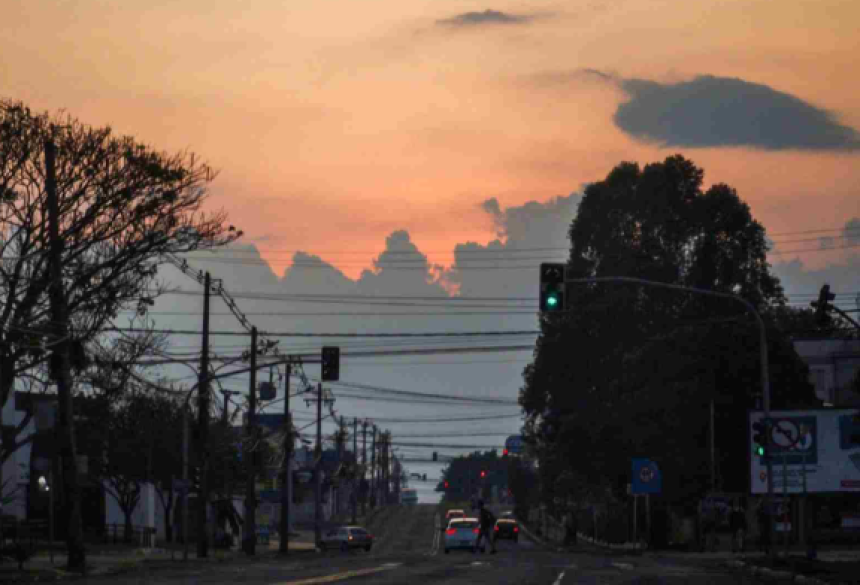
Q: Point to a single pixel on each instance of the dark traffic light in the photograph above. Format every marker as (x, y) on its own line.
(330, 364)
(822, 305)
(435, 456)
(761, 438)
(195, 480)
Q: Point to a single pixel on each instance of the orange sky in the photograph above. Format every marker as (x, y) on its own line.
(335, 123)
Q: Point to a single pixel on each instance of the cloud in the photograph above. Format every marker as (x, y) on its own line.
(485, 18)
(528, 234)
(709, 112)
(851, 232)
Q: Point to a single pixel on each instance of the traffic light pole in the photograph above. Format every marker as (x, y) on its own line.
(765, 373)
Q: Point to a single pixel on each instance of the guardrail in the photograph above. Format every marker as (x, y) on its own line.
(142, 535)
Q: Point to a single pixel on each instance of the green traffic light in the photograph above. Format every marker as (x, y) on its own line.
(760, 451)
(552, 301)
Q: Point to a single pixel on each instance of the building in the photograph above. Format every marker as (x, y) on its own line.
(833, 366)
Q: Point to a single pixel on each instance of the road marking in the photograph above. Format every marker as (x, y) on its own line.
(559, 578)
(437, 532)
(623, 566)
(342, 576)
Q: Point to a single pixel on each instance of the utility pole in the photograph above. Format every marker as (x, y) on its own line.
(185, 483)
(354, 475)
(61, 370)
(251, 473)
(373, 471)
(364, 465)
(317, 470)
(284, 544)
(203, 428)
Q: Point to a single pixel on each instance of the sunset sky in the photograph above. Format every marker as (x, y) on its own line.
(337, 123)
(352, 131)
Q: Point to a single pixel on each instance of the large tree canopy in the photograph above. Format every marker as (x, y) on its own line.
(630, 370)
(122, 208)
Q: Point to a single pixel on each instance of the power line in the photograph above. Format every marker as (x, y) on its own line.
(397, 392)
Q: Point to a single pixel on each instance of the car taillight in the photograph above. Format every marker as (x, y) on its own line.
(497, 528)
(477, 531)
(451, 531)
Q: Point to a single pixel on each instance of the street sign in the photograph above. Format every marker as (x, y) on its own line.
(514, 444)
(646, 478)
(816, 450)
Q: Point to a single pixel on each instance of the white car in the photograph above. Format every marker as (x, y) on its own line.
(463, 533)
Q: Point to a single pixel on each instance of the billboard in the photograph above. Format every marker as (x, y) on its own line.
(818, 447)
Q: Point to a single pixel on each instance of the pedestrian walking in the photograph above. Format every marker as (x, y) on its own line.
(488, 522)
(738, 525)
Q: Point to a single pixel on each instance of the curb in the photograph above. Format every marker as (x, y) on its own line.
(774, 574)
(628, 546)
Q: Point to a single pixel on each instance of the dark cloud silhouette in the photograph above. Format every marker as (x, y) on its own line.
(713, 111)
(485, 18)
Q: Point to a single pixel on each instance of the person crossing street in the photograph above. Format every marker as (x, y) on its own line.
(488, 522)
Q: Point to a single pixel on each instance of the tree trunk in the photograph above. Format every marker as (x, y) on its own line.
(168, 525)
(128, 528)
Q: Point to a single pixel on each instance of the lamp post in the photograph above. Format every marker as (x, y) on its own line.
(45, 486)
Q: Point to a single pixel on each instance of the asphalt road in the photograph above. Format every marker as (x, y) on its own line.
(407, 552)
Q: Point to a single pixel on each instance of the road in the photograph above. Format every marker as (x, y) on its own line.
(407, 551)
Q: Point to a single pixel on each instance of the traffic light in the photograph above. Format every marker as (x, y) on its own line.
(504, 452)
(435, 456)
(330, 364)
(822, 305)
(195, 479)
(447, 485)
(483, 474)
(551, 287)
(761, 440)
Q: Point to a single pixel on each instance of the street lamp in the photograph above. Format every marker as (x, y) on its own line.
(45, 486)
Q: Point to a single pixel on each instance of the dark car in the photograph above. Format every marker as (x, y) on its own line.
(346, 538)
(506, 528)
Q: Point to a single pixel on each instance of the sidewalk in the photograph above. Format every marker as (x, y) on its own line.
(109, 560)
(834, 564)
